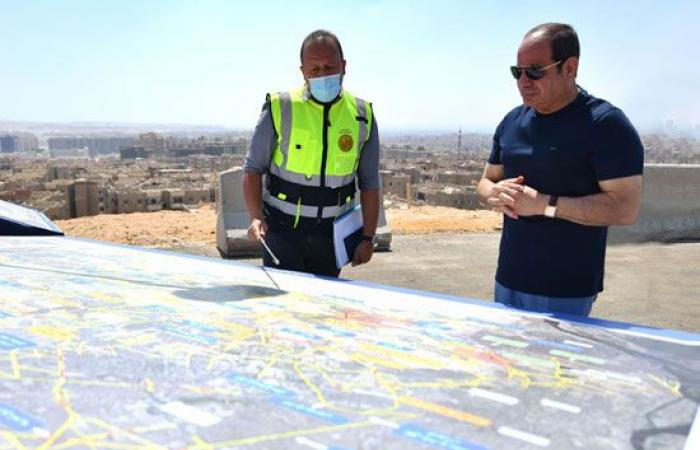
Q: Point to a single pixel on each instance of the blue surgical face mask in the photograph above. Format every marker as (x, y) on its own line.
(325, 89)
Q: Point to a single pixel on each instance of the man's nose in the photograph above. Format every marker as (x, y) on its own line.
(524, 80)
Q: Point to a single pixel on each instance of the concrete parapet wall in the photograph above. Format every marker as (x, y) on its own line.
(232, 219)
(670, 206)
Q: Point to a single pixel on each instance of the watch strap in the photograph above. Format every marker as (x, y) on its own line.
(551, 209)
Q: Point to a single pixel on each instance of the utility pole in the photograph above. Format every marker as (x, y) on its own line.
(459, 141)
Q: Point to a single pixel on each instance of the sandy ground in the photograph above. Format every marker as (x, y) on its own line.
(168, 229)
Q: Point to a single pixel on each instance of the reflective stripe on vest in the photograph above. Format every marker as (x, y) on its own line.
(303, 210)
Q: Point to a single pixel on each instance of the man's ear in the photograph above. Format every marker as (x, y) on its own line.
(571, 67)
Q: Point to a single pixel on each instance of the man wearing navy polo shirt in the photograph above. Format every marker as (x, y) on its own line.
(564, 166)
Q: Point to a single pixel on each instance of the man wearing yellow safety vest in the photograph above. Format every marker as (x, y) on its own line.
(312, 144)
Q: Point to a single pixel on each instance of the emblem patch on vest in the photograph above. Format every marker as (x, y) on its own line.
(345, 142)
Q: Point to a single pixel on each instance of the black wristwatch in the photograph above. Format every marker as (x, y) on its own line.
(368, 238)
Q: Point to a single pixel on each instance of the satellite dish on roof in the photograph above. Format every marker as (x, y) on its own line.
(17, 220)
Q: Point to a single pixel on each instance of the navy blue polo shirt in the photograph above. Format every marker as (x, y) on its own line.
(565, 153)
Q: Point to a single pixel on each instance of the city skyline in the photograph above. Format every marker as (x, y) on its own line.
(428, 66)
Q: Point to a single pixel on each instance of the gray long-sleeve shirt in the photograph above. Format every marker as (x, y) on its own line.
(264, 142)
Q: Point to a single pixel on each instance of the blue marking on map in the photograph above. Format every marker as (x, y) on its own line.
(437, 334)
(237, 378)
(6, 284)
(273, 305)
(82, 280)
(200, 326)
(394, 346)
(432, 324)
(303, 334)
(336, 331)
(4, 314)
(10, 342)
(161, 308)
(322, 414)
(236, 306)
(184, 333)
(546, 343)
(435, 439)
(16, 419)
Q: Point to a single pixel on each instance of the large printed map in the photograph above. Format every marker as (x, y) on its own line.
(104, 346)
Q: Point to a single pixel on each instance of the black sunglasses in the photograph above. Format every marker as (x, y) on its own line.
(533, 71)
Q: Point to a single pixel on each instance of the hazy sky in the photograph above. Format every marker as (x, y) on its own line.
(424, 64)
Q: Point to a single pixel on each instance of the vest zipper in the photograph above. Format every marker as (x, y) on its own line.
(324, 156)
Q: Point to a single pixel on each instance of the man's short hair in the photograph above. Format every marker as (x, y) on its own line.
(320, 35)
(563, 40)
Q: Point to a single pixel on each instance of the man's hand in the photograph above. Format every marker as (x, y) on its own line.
(257, 230)
(529, 202)
(363, 253)
(514, 198)
(503, 194)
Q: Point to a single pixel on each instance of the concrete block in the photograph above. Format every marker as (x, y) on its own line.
(383, 228)
(670, 206)
(232, 218)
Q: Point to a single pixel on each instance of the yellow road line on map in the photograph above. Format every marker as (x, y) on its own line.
(264, 335)
(405, 356)
(149, 385)
(60, 377)
(464, 416)
(241, 332)
(107, 298)
(15, 365)
(309, 383)
(201, 443)
(515, 373)
(72, 417)
(270, 364)
(349, 388)
(361, 357)
(673, 386)
(87, 440)
(55, 333)
(12, 439)
(134, 437)
(288, 434)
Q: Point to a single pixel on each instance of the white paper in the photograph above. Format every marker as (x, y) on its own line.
(345, 225)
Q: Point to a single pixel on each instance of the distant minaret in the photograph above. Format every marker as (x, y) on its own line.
(459, 141)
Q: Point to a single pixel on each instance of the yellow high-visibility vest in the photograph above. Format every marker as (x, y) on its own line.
(313, 167)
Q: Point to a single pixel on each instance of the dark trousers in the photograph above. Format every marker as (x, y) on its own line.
(310, 252)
